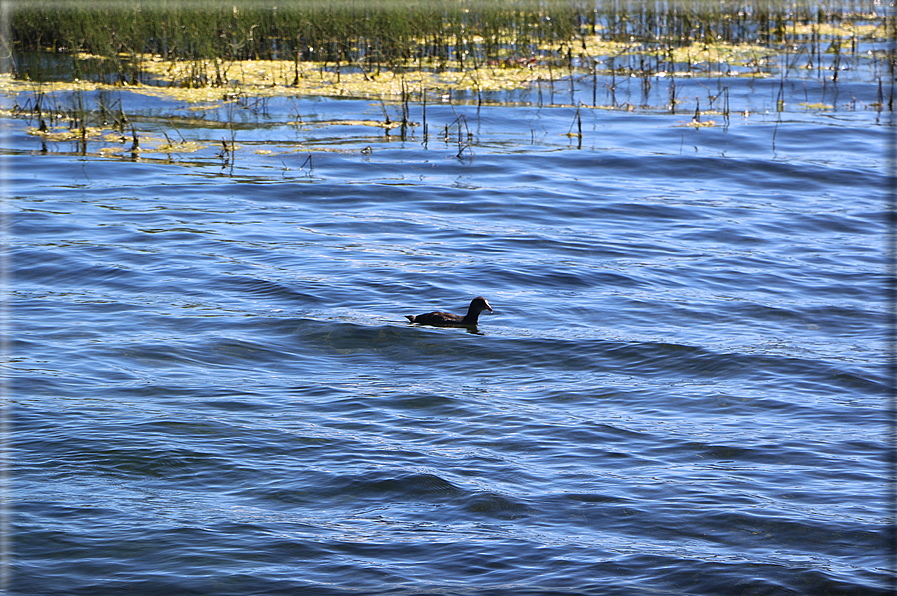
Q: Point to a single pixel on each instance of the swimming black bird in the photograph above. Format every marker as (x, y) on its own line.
(447, 319)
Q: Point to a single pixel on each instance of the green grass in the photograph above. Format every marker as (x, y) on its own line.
(368, 35)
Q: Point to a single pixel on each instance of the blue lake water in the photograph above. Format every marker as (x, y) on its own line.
(682, 389)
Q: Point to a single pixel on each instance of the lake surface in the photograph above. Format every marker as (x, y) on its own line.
(682, 389)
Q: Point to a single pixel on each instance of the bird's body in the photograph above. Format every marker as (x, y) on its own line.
(447, 319)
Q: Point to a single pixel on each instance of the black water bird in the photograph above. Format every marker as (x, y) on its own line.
(447, 319)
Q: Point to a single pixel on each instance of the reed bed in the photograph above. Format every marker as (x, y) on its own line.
(68, 59)
(197, 45)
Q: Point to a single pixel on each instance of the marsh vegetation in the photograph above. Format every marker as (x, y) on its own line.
(258, 45)
(68, 61)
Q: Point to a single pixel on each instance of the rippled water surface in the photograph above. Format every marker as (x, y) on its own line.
(680, 391)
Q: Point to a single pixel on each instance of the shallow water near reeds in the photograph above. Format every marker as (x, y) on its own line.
(681, 389)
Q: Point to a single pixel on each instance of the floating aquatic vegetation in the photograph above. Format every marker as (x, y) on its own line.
(362, 47)
(68, 134)
(816, 106)
(174, 147)
(845, 29)
(227, 61)
(721, 53)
